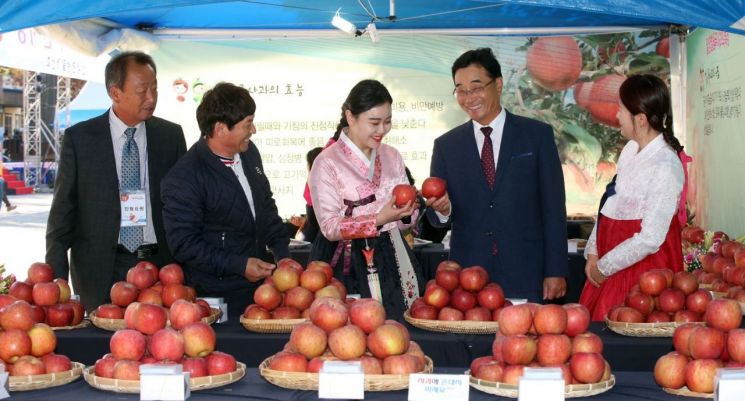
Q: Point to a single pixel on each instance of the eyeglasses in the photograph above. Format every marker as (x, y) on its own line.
(476, 90)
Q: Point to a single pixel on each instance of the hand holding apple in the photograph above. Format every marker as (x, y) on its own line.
(390, 212)
(257, 269)
(440, 205)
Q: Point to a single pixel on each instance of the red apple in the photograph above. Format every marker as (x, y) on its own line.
(491, 296)
(43, 340)
(480, 361)
(658, 317)
(687, 316)
(387, 340)
(700, 374)
(587, 367)
(685, 282)
(254, 311)
(151, 296)
(669, 371)
(587, 342)
(219, 363)
(706, 343)
(78, 312)
(128, 344)
(736, 345)
(14, 343)
(437, 296)
(512, 374)
(403, 194)
(183, 312)
(299, 298)
(473, 278)
(110, 311)
(480, 314)
(433, 187)
(367, 314)
(199, 339)
(46, 293)
(553, 349)
(54, 363)
(400, 365)
(462, 300)
(698, 301)
(173, 292)
(642, 302)
(141, 275)
(652, 282)
(267, 296)
(17, 315)
(450, 314)
(22, 291)
(27, 365)
(149, 318)
(681, 337)
(40, 273)
(104, 367)
(285, 278)
(313, 280)
(167, 345)
(550, 319)
(447, 279)
(123, 293)
(724, 314)
(578, 319)
(328, 313)
(347, 342)
(629, 315)
(197, 367)
(308, 339)
(322, 266)
(285, 312)
(171, 274)
(424, 312)
(288, 362)
(671, 300)
(127, 370)
(515, 319)
(59, 315)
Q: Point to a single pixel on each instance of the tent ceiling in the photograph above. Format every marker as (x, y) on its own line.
(411, 14)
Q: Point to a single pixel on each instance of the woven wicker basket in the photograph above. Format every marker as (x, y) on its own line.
(684, 391)
(82, 324)
(133, 386)
(309, 381)
(716, 295)
(270, 325)
(702, 286)
(570, 391)
(38, 382)
(118, 324)
(460, 326)
(665, 329)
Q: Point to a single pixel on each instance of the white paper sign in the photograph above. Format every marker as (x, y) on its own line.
(163, 382)
(134, 208)
(433, 387)
(517, 301)
(341, 380)
(541, 384)
(729, 384)
(4, 386)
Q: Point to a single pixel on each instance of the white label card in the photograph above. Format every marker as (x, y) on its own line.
(434, 387)
(729, 384)
(163, 382)
(347, 386)
(4, 386)
(541, 384)
(134, 208)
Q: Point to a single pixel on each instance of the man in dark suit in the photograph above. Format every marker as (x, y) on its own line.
(510, 219)
(111, 163)
(219, 212)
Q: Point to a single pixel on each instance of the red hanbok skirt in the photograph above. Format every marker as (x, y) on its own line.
(613, 291)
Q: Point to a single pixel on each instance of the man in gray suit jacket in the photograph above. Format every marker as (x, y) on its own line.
(106, 163)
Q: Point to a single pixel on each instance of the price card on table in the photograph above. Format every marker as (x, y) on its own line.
(164, 382)
(431, 387)
(341, 380)
(541, 384)
(729, 384)
(218, 303)
(4, 385)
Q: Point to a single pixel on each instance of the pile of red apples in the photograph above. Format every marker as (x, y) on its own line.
(701, 350)
(290, 290)
(724, 270)
(162, 290)
(459, 294)
(192, 346)
(661, 296)
(532, 335)
(355, 332)
(47, 297)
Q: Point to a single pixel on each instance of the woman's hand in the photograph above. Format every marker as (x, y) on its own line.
(390, 212)
(593, 273)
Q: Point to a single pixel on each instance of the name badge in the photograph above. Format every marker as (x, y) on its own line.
(134, 208)
(434, 387)
(341, 380)
(729, 384)
(164, 382)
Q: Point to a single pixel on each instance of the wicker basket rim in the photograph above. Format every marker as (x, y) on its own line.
(118, 324)
(684, 391)
(196, 383)
(37, 382)
(570, 390)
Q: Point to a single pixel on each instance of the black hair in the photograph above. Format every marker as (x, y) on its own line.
(310, 157)
(364, 96)
(482, 56)
(225, 103)
(116, 69)
(648, 94)
(409, 177)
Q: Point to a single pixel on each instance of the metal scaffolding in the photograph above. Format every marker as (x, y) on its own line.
(32, 127)
(61, 121)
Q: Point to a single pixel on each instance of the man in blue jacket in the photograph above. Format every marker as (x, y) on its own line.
(218, 210)
(505, 200)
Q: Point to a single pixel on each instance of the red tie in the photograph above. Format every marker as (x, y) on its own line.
(487, 158)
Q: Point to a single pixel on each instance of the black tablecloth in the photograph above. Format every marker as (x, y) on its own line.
(445, 349)
(629, 386)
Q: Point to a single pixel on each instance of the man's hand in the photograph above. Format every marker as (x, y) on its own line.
(593, 272)
(440, 205)
(257, 269)
(554, 287)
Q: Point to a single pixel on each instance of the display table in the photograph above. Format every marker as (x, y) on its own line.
(446, 350)
(629, 386)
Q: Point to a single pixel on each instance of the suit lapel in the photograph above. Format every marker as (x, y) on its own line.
(104, 145)
(505, 151)
(153, 174)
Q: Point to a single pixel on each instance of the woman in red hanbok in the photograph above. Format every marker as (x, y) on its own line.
(638, 227)
(351, 183)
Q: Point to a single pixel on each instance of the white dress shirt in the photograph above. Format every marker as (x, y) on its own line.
(237, 167)
(119, 139)
(648, 187)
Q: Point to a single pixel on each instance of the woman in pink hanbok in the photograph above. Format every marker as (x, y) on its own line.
(351, 183)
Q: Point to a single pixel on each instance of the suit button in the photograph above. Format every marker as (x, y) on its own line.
(491, 205)
(488, 233)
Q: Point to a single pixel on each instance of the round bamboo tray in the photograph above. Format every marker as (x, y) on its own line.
(664, 329)
(270, 325)
(118, 324)
(38, 382)
(684, 391)
(460, 326)
(716, 294)
(309, 381)
(702, 286)
(570, 391)
(133, 386)
(82, 324)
